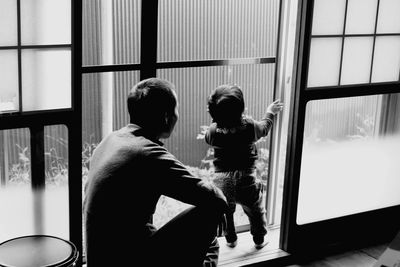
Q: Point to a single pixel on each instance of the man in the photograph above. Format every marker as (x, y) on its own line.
(129, 171)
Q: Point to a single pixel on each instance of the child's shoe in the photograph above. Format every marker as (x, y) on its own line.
(231, 240)
(259, 242)
(231, 244)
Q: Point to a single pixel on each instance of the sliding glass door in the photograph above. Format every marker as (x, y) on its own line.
(40, 119)
(342, 176)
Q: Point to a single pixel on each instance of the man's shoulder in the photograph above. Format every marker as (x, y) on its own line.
(135, 142)
(123, 140)
(127, 144)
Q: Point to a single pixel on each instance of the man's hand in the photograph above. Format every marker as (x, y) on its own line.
(275, 107)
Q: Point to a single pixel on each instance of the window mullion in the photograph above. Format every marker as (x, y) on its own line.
(148, 57)
(19, 55)
(37, 157)
(3, 159)
(373, 44)
(343, 37)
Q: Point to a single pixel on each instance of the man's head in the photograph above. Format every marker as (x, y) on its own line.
(226, 105)
(153, 105)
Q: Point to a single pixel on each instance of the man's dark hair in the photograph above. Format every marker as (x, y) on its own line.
(226, 105)
(149, 101)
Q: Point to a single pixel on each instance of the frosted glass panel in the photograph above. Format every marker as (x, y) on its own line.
(45, 22)
(209, 29)
(361, 15)
(349, 165)
(27, 212)
(15, 183)
(22, 210)
(193, 86)
(324, 61)
(387, 59)
(8, 22)
(46, 79)
(356, 65)
(55, 197)
(328, 17)
(9, 80)
(111, 32)
(388, 18)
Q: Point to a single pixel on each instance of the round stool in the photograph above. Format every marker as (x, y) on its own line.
(38, 251)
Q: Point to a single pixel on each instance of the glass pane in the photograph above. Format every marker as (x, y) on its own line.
(388, 17)
(55, 197)
(324, 61)
(386, 59)
(281, 129)
(111, 32)
(45, 22)
(328, 17)
(361, 22)
(9, 80)
(104, 103)
(351, 149)
(8, 22)
(356, 65)
(46, 79)
(207, 29)
(25, 211)
(16, 208)
(91, 108)
(123, 83)
(193, 86)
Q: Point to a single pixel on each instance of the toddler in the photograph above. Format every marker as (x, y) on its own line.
(233, 137)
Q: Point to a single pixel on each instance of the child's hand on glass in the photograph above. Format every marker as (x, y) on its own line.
(275, 107)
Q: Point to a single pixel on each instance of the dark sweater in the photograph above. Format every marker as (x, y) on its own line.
(234, 148)
(128, 174)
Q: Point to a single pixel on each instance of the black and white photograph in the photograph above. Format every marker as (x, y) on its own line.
(199, 133)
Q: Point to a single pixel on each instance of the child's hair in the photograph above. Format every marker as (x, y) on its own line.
(226, 105)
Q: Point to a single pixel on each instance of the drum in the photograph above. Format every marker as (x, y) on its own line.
(38, 251)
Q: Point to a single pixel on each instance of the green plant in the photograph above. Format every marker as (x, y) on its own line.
(365, 127)
(87, 152)
(20, 172)
(57, 173)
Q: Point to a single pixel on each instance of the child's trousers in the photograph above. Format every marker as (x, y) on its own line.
(242, 187)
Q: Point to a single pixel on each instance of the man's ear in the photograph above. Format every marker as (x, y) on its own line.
(166, 119)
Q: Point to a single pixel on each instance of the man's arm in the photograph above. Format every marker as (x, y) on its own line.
(178, 183)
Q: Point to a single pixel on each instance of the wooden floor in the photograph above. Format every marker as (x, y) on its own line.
(365, 257)
(244, 254)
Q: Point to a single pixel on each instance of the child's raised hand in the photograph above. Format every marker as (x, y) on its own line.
(275, 107)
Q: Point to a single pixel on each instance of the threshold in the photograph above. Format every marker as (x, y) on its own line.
(245, 254)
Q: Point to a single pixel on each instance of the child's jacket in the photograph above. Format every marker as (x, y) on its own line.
(234, 148)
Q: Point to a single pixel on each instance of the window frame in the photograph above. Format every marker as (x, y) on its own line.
(148, 66)
(35, 121)
(334, 233)
(19, 48)
(343, 37)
